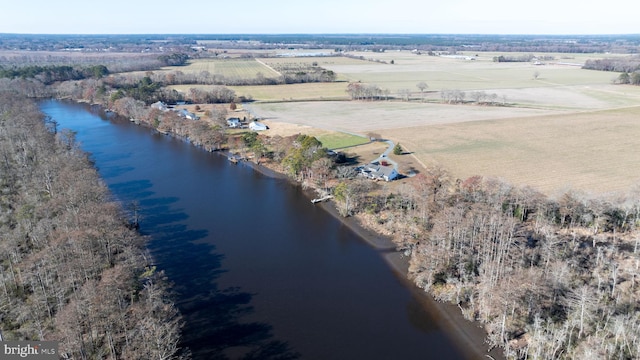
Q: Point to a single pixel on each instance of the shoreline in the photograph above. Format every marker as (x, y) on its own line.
(468, 335)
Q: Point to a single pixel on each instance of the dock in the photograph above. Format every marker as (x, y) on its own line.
(325, 198)
(236, 158)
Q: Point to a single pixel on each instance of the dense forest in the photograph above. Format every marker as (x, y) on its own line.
(73, 269)
(550, 278)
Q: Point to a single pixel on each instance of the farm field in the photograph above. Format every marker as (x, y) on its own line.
(560, 126)
(555, 86)
(294, 92)
(229, 68)
(592, 151)
(468, 75)
(285, 92)
(549, 150)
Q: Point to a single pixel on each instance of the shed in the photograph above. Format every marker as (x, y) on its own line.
(257, 126)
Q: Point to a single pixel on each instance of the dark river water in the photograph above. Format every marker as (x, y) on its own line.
(258, 271)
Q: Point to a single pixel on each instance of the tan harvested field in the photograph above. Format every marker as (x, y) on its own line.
(468, 75)
(548, 149)
(591, 151)
(558, 85)
(294, 92)
(565, 127)
(229, 68)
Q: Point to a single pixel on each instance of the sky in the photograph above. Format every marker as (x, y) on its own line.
(319, 17)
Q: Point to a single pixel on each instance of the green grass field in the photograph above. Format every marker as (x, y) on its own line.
(336, 140)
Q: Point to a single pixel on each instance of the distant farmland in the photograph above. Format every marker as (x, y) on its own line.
(228, 68)
(548, 149)
(555, 126)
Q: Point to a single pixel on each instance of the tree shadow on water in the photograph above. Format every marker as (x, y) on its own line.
(215, 319)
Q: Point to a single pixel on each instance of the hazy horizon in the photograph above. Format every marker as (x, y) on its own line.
(464, 17)
(321, 34)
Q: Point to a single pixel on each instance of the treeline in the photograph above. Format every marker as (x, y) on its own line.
(175, 59)
(115, 62)
(626, 64)
(632, 79)
(152, 88)
(363, 91)
(106, 90)
(299, 73)
(522, 58)
(455, 96)
(288, 75)
(372, 92)
(550, 278)
(629, 67)
(53, 73)
(72, 268)
(185, 43)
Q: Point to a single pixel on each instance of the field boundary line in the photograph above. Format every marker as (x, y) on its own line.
(413, 155)
(268, 66)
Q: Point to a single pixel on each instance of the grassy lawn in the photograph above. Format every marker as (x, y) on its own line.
(336, 140)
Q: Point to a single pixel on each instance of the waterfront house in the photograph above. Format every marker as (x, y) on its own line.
(376, 171)
(187, 114)
(160, 106)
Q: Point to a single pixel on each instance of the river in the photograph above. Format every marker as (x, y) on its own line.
(258, 271)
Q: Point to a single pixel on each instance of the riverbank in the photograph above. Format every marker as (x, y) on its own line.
(469, 336)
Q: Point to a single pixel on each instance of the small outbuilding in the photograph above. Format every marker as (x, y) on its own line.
(257, 126)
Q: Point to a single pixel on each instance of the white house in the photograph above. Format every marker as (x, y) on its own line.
(257, 126)
(234, 123)
(387, 173)
(160, 106)
(375, 171)
(187, 114)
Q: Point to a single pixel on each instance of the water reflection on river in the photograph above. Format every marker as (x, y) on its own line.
(259, 272)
